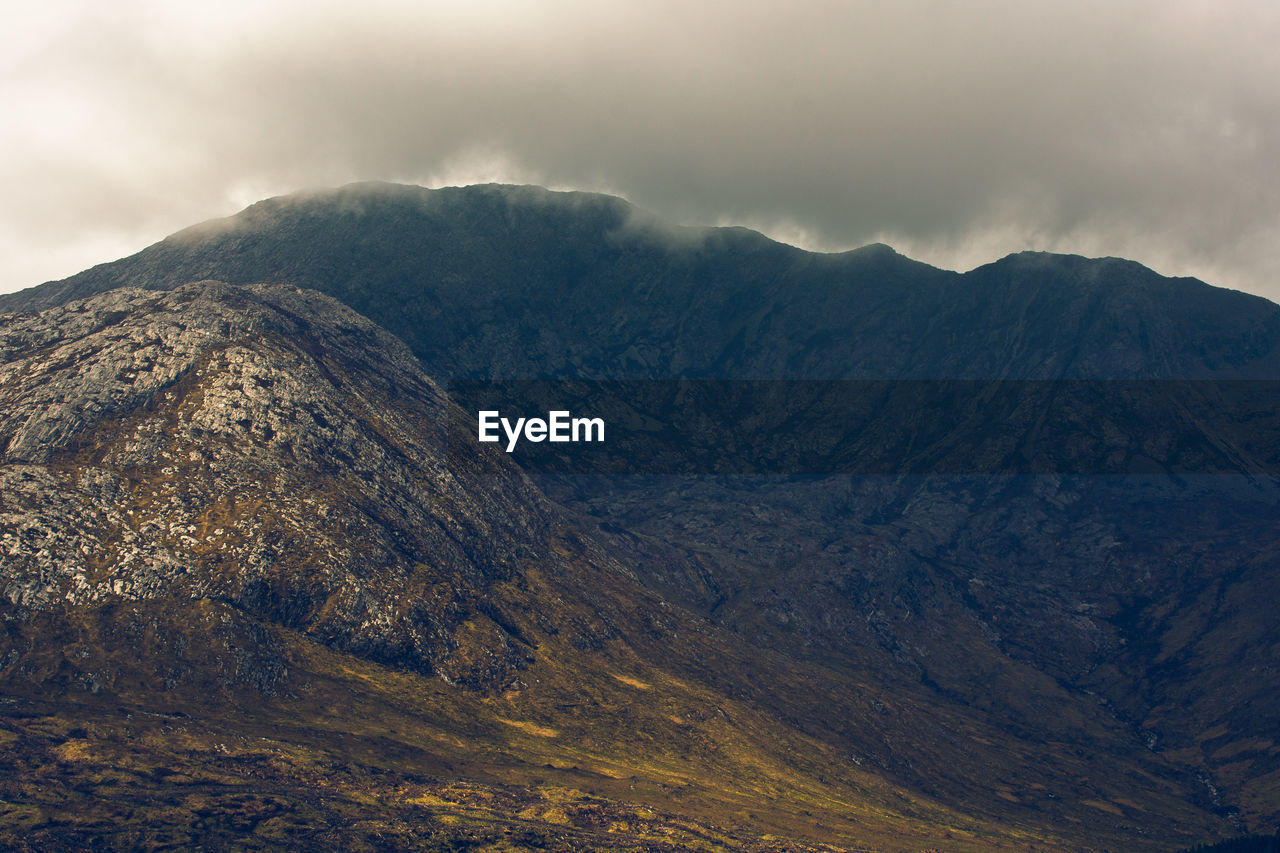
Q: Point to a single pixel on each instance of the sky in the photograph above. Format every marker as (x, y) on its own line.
(956, 132)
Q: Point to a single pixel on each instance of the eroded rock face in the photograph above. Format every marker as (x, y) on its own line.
(260, 446)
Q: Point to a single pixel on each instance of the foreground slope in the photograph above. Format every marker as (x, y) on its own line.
(246, 600)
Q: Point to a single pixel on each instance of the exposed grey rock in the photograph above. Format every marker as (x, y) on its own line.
(256, 445)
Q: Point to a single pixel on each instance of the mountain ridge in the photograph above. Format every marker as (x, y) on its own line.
(589, 264)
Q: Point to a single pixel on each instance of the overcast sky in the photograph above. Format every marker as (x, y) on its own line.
(957, 132)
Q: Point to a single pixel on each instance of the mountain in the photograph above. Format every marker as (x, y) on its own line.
(969, 661)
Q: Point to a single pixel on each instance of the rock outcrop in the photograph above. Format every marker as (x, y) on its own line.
(263, 448)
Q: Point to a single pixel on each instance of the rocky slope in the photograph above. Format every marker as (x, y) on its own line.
(1044, 653)
(149, 434)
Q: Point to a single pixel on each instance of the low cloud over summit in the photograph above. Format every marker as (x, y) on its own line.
(955, 133)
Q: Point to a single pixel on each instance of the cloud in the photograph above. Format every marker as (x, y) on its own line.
(955, 132)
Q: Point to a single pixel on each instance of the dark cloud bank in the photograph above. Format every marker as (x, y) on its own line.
(955, 132)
